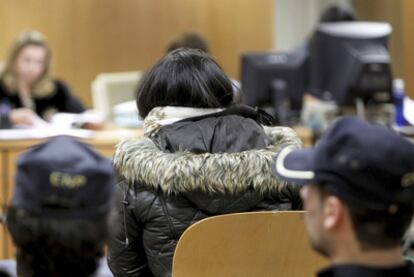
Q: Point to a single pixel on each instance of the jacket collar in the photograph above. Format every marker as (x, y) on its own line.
(162, 116)
(141, 161)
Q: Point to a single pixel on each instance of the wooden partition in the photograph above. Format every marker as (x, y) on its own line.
(399, 14)
(247, 244)
(388, 11)
(89, 37)
(408, 45)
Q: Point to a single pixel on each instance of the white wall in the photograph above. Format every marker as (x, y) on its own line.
(294, 20)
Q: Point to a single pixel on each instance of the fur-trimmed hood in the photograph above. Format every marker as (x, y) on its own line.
(141, 161)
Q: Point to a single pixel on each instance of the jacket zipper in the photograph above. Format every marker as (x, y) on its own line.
(164, 208)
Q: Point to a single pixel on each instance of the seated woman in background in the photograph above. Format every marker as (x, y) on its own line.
(200, 157)
(196, 41)
(338, 13)
(189, 41)
(27, 89)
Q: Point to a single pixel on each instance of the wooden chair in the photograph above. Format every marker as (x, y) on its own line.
(247, 244)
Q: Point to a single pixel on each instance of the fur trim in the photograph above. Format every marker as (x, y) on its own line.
(140, 161)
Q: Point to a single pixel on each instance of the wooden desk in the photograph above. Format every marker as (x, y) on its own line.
(103, 141)
(305, 135)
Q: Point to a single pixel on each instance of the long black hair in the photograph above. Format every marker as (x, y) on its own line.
(186, 78)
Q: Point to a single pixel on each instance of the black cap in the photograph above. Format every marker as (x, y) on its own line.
(63, 178)
(369, 165)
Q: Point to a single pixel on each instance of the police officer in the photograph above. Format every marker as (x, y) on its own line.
(358, 184)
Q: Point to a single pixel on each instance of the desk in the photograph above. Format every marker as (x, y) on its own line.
(103, 141)
(305, 134)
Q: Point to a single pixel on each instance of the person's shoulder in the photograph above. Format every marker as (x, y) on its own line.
(60, 86)
(3, 88)
(60, 90)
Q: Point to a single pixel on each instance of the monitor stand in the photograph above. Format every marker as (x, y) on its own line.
(360, 108)
(379, 113)
(281, 104)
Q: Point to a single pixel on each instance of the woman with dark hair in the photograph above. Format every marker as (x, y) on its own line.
(200, 157)
(196, 41)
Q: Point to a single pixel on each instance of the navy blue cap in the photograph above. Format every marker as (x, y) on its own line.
(63, 178)
(369, 165)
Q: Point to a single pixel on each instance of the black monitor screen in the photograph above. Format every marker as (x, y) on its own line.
(264, 75)
(350, 60)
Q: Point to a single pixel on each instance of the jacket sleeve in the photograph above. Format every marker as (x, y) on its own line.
(284, 199)
(4, 110)
(4, 120)
(126, 255)
(291, 193)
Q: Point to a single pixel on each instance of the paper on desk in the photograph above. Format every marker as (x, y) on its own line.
(38, 133)
(43, 129)
(70, 120)
(126, 115)
(60, 124)
(38, 123)
(409, 110)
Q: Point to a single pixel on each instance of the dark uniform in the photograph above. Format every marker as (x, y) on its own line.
(365, 271)
(368, 166)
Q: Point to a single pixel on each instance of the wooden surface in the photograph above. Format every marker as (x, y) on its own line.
(247, 244)
(3, 178)
(2, 201)
(408, 45)
(305, 134)
(94, 36)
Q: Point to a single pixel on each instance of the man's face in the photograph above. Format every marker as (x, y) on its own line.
(314, 217)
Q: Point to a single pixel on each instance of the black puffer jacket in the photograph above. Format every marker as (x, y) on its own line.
(189, 171)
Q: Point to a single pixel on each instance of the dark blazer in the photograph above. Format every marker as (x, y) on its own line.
(60, 100)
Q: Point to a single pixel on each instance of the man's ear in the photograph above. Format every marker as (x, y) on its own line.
(333, 212)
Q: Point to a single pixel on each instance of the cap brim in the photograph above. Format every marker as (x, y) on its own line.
(295, 166)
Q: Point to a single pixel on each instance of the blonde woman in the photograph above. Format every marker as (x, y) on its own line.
(27, 89)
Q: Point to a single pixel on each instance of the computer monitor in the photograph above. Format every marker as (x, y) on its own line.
(349, 61)
(275, 80)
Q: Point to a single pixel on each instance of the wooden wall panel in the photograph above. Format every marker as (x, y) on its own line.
(2, 201)
(399, 14)
(93, 36)
(408, 45)
(388, 11)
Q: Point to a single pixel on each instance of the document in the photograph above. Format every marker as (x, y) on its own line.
(60, 124)
(39, 133)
